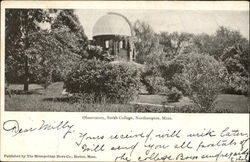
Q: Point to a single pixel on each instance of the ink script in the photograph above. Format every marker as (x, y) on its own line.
(119, 143)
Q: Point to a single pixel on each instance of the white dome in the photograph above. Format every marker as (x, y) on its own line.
(112, 24)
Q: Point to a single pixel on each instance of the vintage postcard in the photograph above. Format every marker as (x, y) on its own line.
(124, 81)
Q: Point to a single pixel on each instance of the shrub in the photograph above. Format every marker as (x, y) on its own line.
(96, 52)
(236, 84)
(174, 95)
(104, 82)
(85, 77)
(203, 79)
(153, 82)
(198, 76)
(170, 72)
(121, 82)
(235, 59)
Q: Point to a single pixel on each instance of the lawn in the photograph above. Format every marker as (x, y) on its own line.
(51, 99)
(233, 103)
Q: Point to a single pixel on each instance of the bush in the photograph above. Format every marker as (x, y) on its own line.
(96, 52)
(236, 84)
(85, 77)
(153, 82)
(104, 82)
(171, 72)
(235, 59)
(121, 82)
(174, 95)
(202, 78)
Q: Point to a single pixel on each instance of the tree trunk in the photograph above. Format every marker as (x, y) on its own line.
(26, 74)
(48, 80)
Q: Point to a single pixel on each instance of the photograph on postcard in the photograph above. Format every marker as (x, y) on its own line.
(87, 60)
(124, 81)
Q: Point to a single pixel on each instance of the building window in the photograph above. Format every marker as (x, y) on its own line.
(106, 44)
(121, 44)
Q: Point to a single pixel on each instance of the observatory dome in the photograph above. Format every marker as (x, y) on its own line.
(112, 24)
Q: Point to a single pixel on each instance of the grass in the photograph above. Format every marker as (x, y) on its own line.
(51, 99)
(159, 99)
(233, 103)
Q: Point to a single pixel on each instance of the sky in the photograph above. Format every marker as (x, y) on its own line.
(191, 21)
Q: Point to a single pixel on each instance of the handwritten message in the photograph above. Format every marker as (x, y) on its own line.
(175, 143)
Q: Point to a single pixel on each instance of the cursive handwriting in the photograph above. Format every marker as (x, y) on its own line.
(14, 127)
(206, 144)
(220, 143)
(132, 148)
(209, 133)
(227, 132)
(155, 157)
(142, 135)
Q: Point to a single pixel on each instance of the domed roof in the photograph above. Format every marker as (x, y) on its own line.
(112, 24)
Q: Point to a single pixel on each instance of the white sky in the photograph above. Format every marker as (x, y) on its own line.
(190, 21)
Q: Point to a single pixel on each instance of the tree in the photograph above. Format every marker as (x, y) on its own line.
(20, 23)
(49, 56)
(73, 37)
(231, 48)
(202, 43)
(215, 44)
(147, 43)
(174, 43)
(224, 38)
(38, 53)
(235, 59)
(171, 45)
(59, 48)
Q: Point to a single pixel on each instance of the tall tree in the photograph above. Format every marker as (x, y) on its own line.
(146, 43)
(37, 53)
(59, 48)
(20, 23)
(74, 37)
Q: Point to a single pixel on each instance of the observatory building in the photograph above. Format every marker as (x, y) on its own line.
(113, 32)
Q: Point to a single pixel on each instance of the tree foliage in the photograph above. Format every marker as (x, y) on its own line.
(97, 52)
(175, 44)
(231, 48)
(227, 46)
(20, 23)
(49, 51)
(60, 48)
(147, 42)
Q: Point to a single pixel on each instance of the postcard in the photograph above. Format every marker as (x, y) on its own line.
(124, 81)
